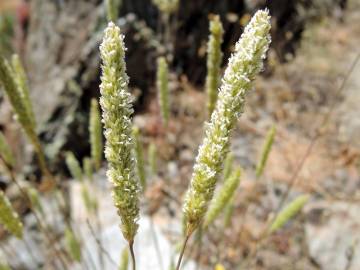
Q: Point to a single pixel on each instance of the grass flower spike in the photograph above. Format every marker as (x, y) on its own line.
(112, 9)
(214, 57)
(95, 130)
(90, 203)
(20, 102)
(228, 165)
(167, 6)
(245, 63)
(88, 169)
(228, 212)
(16, 98)
(222, 198)
(73, 245)
(5, 151)
(22, 82)
(9, 218)
(162, 84)
(117, 109)
(74, 167)
(269, 140)
(139, 155)
(288, 212)
(34, 197)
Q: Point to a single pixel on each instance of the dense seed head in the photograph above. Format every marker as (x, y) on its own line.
(245, 63)
(116, 104)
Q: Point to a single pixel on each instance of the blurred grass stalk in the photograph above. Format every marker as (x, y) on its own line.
(269, 140)
(112, 9)
(288, 212)
(17, 91)
(214, 58)
(95, 131)
(139, 156)
(162, 84)
(222, 198)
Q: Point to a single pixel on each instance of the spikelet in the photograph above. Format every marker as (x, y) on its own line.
(139, 156)
(73, 245)
(112, 9)
(167, 6)
(117, 110)
(74, 167)
(124, 260)
(288, 212)
(152, 157)
(9, 218)
(162, 84)
(16, 99)
(90, 203)
(5, 151)
(269, 140)
(222, 198)
(214, 58)
(228, 164)
(88, 169)
(229, 209)
(244, 65)
(22, 83)
(95, 130)
(34, 197)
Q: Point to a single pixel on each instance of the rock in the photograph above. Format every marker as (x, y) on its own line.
(332, 236)
(111, 237)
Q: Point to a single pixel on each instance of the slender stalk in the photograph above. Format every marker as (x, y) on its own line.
(182, 251)
(131, 248)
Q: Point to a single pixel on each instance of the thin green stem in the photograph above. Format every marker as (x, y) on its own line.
(131, 248)
(182, 251)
